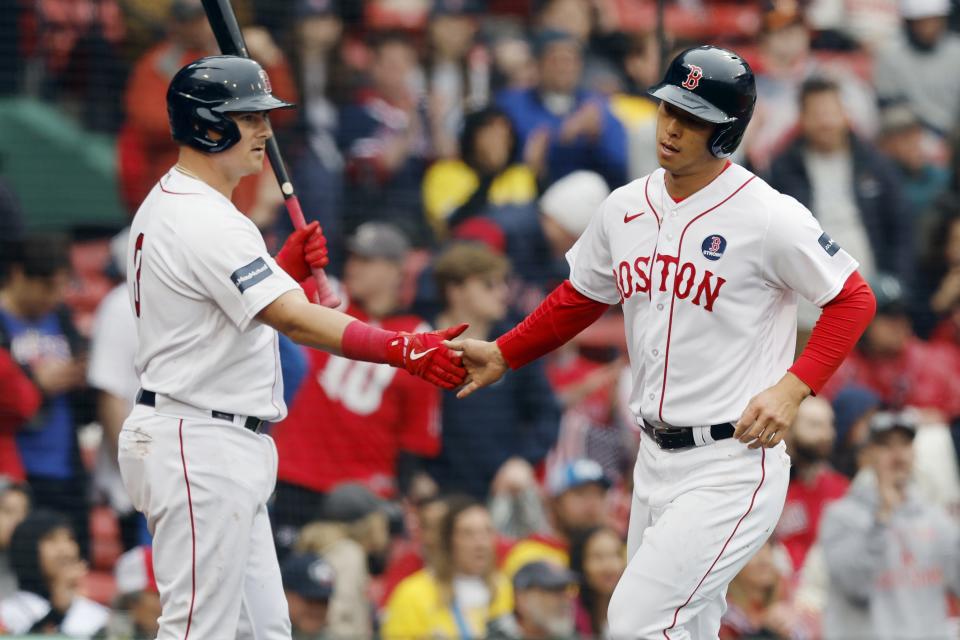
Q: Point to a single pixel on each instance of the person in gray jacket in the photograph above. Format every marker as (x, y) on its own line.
(891, 555)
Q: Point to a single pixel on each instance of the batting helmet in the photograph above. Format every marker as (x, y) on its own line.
(202, 94)
(715, 85)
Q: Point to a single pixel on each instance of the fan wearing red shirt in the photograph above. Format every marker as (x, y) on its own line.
(350, 420)
(813, 482)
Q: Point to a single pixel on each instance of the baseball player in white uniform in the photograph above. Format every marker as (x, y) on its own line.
(707, 262)
(208, 301)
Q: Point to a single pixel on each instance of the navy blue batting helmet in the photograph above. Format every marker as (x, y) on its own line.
(202, 94)
(715, 85)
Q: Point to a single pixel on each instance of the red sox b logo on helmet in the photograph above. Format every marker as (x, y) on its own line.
(693, 78)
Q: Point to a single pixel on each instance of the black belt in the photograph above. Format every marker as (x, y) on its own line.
(149, 398)
(682, 437)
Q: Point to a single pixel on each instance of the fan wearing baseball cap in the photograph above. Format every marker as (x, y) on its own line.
(577, 492)
(892, 555)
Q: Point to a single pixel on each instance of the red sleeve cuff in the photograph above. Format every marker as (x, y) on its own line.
(843, 321)
(561, 316)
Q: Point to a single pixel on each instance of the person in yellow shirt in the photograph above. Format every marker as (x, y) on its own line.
(578, 491)
(485, 175)
(463, 593)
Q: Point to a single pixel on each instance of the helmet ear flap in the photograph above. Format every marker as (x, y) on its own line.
(206, 120)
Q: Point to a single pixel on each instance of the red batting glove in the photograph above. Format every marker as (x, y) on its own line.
(424, 355)
(304, 250)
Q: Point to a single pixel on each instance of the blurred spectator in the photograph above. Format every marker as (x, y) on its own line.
(851, 189)
(813, 484)
(323, 79)
(111, 372)
(576, 502)
(425, 545)
(457, 71)
(911, 65)
(145, 150)
(562, 127)
(483, 177)
(46, 560)
(463, 593)
(853, 406)
(537, 238)
(755, 605)
(351, 532)
(784, 64)
(516, 504)
(512, 56)
(518, 418)
(902, 369)
(901, 138)
(308, 582)
(14, 507)
(72, 50)
(891, 555)
(634, 107)
(351, 420)
(37, 331)
(383, 135)
(940, 293)
(599, 558)
(137, 609)
(847, 25)
(543, 605)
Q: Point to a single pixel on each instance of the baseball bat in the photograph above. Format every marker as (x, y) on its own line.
(223, 21)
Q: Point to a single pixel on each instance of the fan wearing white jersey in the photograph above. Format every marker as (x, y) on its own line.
(208, 301)
(707, 262)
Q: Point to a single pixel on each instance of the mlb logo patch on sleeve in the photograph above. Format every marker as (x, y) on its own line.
(828, 244)
(249, 275)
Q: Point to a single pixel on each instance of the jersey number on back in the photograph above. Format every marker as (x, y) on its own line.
(137, 261)
(358, 386)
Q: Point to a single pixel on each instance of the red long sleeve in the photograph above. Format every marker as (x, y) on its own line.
(843, 321)
(20, 399)
(561, 316)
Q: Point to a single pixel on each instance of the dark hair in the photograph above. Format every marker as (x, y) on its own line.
(41, 255)
(25, 548)
(815, 85)
(389, 37)
(578, 552)
(474, 122)
(457, 504)
(464, 260)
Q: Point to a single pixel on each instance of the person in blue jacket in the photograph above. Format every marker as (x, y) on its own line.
(562, 127)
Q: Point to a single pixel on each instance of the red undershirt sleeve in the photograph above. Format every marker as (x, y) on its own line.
(561, 316)
(843, 321)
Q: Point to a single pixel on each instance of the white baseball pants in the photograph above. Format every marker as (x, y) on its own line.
(203, 484)
(698, 515)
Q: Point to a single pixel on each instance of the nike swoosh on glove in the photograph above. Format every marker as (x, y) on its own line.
(424, 355)
(304, 250)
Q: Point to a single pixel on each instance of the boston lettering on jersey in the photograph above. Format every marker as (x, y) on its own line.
(635, 278)
(249, 275)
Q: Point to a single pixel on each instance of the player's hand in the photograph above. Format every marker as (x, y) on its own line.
(770, 413)
(484, 363)
(304, 250)
(425, 356)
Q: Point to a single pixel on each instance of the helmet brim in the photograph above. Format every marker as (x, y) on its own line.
(253, 104)
(690, 102)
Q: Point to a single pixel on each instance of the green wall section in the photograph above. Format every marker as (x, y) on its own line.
(63, 175)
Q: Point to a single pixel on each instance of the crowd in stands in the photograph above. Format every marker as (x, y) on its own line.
(453, 151)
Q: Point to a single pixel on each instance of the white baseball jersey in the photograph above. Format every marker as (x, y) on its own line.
(709, 289)
(200, 274)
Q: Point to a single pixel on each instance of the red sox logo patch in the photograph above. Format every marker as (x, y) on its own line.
(265, 81)
(713, 247)
(693, 78)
